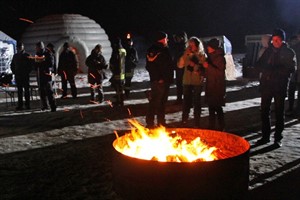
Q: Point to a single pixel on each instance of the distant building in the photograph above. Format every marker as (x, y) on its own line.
(82, 34)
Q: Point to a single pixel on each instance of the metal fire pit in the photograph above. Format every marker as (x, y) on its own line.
(226, 178)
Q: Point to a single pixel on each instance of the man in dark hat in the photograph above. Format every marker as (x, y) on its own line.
(276, 65)
(130, 64)
(67, 69)
(180, 44)
(21, 68)
(44, 65)
(117, 67)
(159, 64)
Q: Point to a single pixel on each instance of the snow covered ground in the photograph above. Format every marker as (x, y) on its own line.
(23, 134)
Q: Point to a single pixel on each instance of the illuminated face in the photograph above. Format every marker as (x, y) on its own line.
(277, 41)
(192, 46)
(164, 41)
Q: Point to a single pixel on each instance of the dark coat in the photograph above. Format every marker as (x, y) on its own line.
(215, 79)
(44, 66)
(68, 63)
(159, 63)
(276, 66)
(95, 63)
(131, 59)
(21, 66)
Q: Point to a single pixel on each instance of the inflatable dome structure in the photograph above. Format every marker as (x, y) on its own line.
(82, 34)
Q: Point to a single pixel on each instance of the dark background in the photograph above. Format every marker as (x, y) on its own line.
(202, 18)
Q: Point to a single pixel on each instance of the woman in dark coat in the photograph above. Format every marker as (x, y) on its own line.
(215, 84)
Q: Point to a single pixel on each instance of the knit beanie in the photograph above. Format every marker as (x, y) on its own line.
(214, 43)
(280, 33)
(40, 44)
(159, 36)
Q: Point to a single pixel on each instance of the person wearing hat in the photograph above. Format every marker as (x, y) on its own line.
(44, 65)
(96, 63)
(180, 44)
(193, 79)
(67, 69)
(117, 67)
(21, 68)
(159, 65)
(130, 63)
(276, 65)
(215, 84)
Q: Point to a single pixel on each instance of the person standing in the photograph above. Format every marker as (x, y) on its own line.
(21, 67)
(130, 64)
(180, 44)
(96, 64)
(117, 67)
(44, 64)
(193, 79)
(295, 80)
(276, 65)
(215, 84)
(159, 65)
(67, 69)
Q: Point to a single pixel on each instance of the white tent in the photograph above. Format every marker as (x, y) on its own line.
(82, 33)
(7, 50)
(230, 72)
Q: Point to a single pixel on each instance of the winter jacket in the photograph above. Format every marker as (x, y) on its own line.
(296, 48)
(117, 64)
(215, 78)
(159, 64)
(67, 63)
(44, 66)
(195, 76)
(95, 63)
(131, 59)
(21, 66)
(276, 66)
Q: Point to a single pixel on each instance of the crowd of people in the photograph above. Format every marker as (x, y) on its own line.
(198, 66)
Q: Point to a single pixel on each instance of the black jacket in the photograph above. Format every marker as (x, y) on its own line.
(21, 65)
(159, 63)
(68, 62)
(95, 63)
(131, 59)
(44, 66)
(276, 66)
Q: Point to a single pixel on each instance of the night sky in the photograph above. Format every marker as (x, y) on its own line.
(202, 18)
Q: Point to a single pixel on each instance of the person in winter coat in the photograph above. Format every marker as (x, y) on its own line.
(180, 44)
(276, 65)
(67, 69)
(21, 67)
(96, 63)
(159, 65)
(130, 63)
(117, 67)
(44, 64)
(193, 79)
(215, 83)
(295, 80)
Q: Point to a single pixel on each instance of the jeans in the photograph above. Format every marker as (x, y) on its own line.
(157, 104)
(266, 100)
(192, 99)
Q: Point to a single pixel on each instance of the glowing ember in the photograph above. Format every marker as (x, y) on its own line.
(160, 145)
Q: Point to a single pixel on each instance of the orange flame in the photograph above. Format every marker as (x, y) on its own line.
(160, 145)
